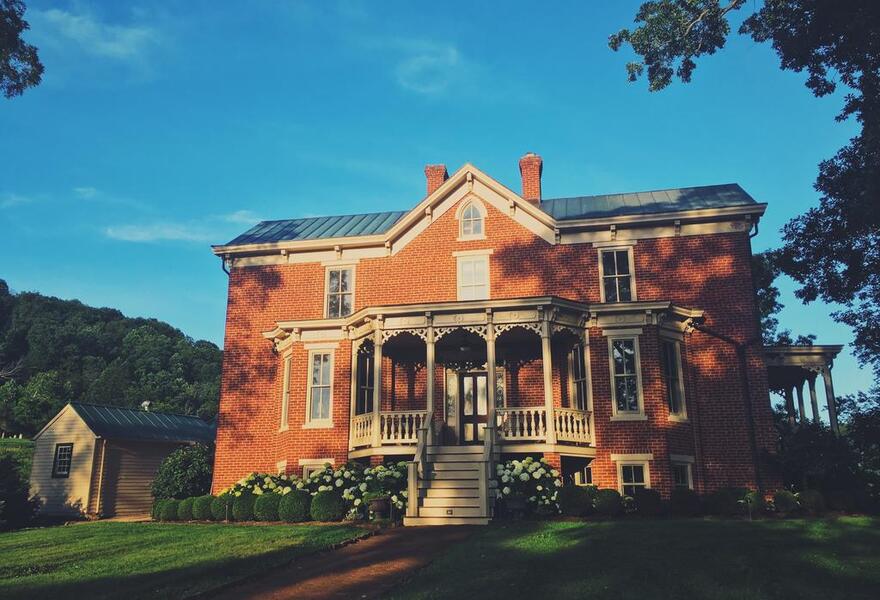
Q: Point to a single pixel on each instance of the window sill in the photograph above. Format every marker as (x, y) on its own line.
(318, 425)
(469, 238)
(283, 428)
(678, 418)
(632, 417)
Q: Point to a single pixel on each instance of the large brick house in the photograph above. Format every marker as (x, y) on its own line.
(615, 335)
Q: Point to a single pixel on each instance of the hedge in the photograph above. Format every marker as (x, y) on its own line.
(575, 501)
(169, 510)
(684, 502)
(221, 507)
(243, 507)
(266, 507)
(785, 502)
(185, 509)
(648, 502)
(327, 506)
(295, 507)
(609, 503)
(812, 501)
(201, 510)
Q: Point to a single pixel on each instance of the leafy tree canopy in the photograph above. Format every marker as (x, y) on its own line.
(832, 250)
(765, 270)
(20, 67)
(56, 351)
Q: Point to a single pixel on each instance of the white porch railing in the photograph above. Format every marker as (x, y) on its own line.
(526, 423)
(362, 430)
(572, 425)
(401, 426)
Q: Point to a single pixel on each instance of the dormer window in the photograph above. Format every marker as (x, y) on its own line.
(472, 217)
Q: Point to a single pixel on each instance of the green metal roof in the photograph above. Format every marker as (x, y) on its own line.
(562, 209)
(116, 422)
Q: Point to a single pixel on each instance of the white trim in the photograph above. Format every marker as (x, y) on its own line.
(482, 252)
(681, 458)
(632, 272)
(472, 257)
(615, 243)
(321, 346)
(308, 462)
(281, 467)
(622, 332)
(481, 209)
(634, 462)
(318, 423)
(626, 415)
(341, 262)
(689, 468)
(353, 282)
(287, 365)
(632, 457)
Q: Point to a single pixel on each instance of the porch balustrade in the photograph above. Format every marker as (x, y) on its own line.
(402, 426)
(572, 425)
(522, 424)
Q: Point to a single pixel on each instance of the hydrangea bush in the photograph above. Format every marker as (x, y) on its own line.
(535, 481)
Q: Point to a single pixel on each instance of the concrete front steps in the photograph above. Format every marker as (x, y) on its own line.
(450, 495)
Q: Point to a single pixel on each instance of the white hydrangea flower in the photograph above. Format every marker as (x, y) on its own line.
(554, 472)
(339, 483)
(505, 478)
(539, 488)
(524, 477)
(505, 490)
(357, 501)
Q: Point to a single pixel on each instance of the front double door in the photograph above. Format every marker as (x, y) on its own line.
(473, 407)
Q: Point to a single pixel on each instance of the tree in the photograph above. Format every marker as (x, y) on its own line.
(20, 67)
(765, 270)
(185, 473)
(832, 250)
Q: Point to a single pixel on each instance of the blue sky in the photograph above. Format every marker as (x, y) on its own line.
(160, 129)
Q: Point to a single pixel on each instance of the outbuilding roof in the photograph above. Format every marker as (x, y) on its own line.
(116, 422)
(561, 209)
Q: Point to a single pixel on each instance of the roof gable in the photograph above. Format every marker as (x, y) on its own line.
(116, 422)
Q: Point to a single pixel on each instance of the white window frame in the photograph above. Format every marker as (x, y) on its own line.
(689, 469)
(580, 476)
(287, 363)
(473, 256)
(338, 267)
(459, 215)
(617, 415)
(632, 273)
(632, 460)
(310, 465)
(56, 474)
(572, 381)
(319, 423)
(676, 345)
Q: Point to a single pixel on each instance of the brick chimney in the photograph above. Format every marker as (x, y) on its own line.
(530, 167)
(436, 175)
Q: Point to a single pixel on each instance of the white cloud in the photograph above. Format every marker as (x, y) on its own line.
(8, 200)
(118, 42)
(85, 192)
(429, 69)
(158, 232)
(242, 217)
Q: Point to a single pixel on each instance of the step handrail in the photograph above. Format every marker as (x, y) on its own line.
(416, 470)
(486, 468)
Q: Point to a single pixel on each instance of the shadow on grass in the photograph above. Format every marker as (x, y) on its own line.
(833, 558)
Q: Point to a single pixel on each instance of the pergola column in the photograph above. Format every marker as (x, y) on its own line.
(377, 384)
(429, 380)
(547, 361)
(492, 375)
(799, 388)
(829, 398)
(814, 401)
(789, 404)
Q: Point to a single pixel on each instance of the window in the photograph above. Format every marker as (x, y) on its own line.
(63, 458)
(584, 476)
(473, 277)
(471, 222)
(365, 372)
(320, 387)
(616, 270)
(340, 292)
(681, 476)
(670, 359)
(578, 373)
(285, 392)
(625, 382)
(632, 477)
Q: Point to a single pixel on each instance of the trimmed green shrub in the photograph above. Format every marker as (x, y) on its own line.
(727, 502)
(755, 504)
(169, 510)
(812, 501)
(648, 502)
(185, 473)
(684, 502)
(295, 506)
(221, 507)
(156, 511)
(266, 507)
(243, 507)
(608, 503)
(841, 500)
(327, 506)
(574, 501)
(202, 508)
(785, 502)
(185, 509)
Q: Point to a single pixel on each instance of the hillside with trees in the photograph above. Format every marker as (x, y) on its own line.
(55, 351)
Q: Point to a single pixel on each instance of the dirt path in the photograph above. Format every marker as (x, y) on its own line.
(366, 569)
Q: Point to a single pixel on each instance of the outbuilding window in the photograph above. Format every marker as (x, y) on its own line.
(63, 460)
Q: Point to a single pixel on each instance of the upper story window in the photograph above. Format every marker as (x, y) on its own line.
(340, 292)
(616, 272)
(670, 359)
(473, 276)
(626, 385)
(320, 390)
(578, 370)
(63, 460)
(471, 221)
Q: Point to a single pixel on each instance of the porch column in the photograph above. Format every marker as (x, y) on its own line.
(829, 398)
(492, 374)
(377, 385)
(546, 356)
(789, 404)
(429, 378)
(355, 346)
(799, 388)
(814, 401)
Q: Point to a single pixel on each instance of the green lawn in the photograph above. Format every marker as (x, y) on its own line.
(833, 558)
(21, 450)
(140, 560)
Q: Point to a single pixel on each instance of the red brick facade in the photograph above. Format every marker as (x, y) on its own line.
(710, 272)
